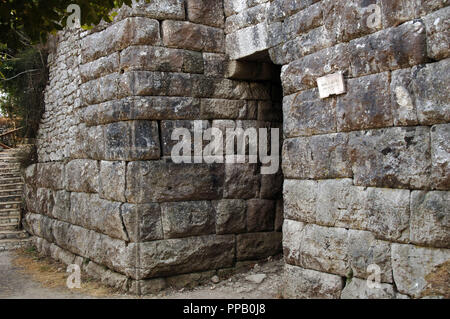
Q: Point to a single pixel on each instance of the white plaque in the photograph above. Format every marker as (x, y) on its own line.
(332, 84)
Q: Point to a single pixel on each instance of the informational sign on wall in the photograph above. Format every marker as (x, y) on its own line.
(332, 84)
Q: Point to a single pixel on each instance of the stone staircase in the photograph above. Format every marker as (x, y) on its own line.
(11, 188)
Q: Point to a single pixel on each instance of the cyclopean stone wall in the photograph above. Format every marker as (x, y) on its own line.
(106, 194)
(366, 172)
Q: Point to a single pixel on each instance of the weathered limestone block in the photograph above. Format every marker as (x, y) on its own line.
(390, 49)
(142, 222)
(206, 12)
(230, 216)
(221, 108)
(106, 88)
(159, 181)
(51, 175)
(438, 34)
(132, 140)
(247, 41)
(91, 212)
(440, 156)
(118, 36)
(337, 203)
(420, 272)
(214, 64)
(185, 219)
(93, 143)
(167, 129)
(358, 289)
(292, 238)
(166, 257)
(303, 73)
(356, 111)
(100, 67)
(309, 18)
(241, 181)
(305, 114)
(148, 58)
(280, 9)
(304, 283)
(430, 219)
(246, 18)
(271, 186)
(420, 95)
(191, 36)
(234, 6)
(161, 9)
(29, 176)
(317, 157)
(106, 276)
(260, 215)
(59, 207)
(254, 246)
(112, 180)
(279, 218)
(394, 157)
(82, 176)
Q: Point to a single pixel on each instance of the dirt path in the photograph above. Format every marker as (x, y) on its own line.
(24, 277)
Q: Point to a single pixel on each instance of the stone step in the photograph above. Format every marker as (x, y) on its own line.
(11, 191)
(9, 220)
(11, 244)
(10, 186)
(10, 180)
(10, 205)
(10, 198)
(20, 234)
(9, 227)
(10, 213)
(10, 175)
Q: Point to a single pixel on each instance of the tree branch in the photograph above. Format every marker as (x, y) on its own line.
(17, 75)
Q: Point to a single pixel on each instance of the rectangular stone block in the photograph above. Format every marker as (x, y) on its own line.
(303, 21)
(372, 109)
(305, 114)
(390, 49)
(393, 157)
(82, 176)
(179, 256)
(118, 36)
(280, 9)
(159, 181)
(149, 58)
(253, 246)
(221, 108)
(317, 157)
(214, 64)
(112, 180)
(260, 215)
(430, 219)
(247, 41)
(100, 67)
(186, 219)
(419, 271)
(440, 158)
(132, 140)
(51, 175)
(438, 34)
(191, 36)
(230, 216)
(246, 18)
(305, 283)
(142, 222)
(160, 10)
(206, 12)
(241, 181)
(168, 128)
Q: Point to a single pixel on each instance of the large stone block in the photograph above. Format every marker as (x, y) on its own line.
(253, 246)
(359, 289)
(280, 9)
(51, 175)
(260, 215)
(206, 12)
(186, 219)
(161, 9)
(440, 156)
(112, 180)
(82, 176)
(168, 128)
(246, 18)
(420, 272)
(241, 181)
(91, 212)
(306, 114)
(100, 67)
(247, 41)
(438, 34)
(191, 36)
(142, 222)
(430, 219)
(221, 108)
(317, 157)
(132, 140)
(178, 256)
(159, 181)
(390, 49)
(303, 21)
(230, 216)
(393, 157)
(302, 283)
(148, 58)
(370, 109)
(118, 36)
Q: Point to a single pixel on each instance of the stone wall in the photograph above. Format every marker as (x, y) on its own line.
(106, 194)
(366, 172)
